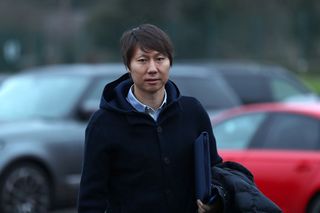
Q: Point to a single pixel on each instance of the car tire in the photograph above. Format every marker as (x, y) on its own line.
(314, 206)
(25, 188)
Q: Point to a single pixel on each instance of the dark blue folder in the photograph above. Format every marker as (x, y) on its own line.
(202, 167)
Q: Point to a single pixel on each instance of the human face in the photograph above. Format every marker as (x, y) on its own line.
(149, 71)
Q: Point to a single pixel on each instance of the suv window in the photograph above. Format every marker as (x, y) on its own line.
(93, 97)
(283, 89)
(210, 91)
(250, 88)
(290, 131)
(265, 86)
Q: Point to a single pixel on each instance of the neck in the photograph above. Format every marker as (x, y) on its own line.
(154, 100)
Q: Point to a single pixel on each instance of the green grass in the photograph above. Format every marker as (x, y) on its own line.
(312, 81)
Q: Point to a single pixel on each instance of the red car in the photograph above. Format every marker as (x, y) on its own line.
(280, 145)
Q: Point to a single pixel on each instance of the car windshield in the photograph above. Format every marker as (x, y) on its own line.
(27, 96)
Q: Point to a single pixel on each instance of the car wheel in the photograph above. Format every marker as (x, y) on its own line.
(25, 188)
(314, 206)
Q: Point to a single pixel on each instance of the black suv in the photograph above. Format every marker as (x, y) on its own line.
(258, 83)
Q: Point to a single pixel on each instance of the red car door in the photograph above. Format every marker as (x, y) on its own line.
(289, 178)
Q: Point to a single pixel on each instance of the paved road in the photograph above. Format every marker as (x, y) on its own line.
(65, 211)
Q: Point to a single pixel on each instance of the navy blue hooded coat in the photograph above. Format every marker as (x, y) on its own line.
(133, 164)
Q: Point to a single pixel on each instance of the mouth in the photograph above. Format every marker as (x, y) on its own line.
(152, 81)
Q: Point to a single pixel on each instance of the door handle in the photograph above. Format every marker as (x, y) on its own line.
(303, 166)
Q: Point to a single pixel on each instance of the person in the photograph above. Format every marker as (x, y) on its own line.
(139, 145)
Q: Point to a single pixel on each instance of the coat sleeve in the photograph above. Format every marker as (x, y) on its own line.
(205, 125)
(93, 193)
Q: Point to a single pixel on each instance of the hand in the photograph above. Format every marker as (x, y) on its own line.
(202, 208)
(214, 208)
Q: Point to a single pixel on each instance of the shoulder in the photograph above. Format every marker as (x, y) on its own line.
(97, 121)
(194, 110)
(106, 121)
(96, 117)
(191, 103)
(99, 130)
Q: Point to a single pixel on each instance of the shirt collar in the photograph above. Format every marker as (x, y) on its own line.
(140, 107)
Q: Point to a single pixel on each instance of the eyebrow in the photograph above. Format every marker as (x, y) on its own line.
(144, 54)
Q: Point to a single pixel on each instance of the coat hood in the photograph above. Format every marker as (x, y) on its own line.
(115, 93)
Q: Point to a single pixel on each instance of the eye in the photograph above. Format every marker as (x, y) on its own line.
(142, 60)
(160, 58)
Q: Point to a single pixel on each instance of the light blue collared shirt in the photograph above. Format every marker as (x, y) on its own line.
(140, 107)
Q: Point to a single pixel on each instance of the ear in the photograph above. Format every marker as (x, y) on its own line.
(129, 72)
(128, 69)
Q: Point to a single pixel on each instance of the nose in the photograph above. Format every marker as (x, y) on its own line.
(152, 66)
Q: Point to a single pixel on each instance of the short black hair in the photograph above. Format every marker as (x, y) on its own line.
(148, 37)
